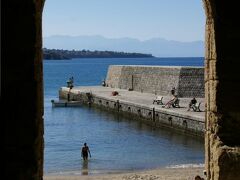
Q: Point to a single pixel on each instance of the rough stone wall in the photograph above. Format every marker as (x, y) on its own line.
(22, 89)
(188, 81)
(116, 78)
(153, 117)
(222, 87)
(157, 118)
(191, 82)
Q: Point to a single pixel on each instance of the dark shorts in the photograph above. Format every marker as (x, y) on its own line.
(85, 154)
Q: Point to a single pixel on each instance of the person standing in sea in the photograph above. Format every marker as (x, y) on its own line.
(85, 152)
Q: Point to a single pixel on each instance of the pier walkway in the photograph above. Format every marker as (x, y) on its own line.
(145, 99)
(138, 101)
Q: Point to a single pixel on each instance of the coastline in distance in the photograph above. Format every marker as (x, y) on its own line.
(58, 54)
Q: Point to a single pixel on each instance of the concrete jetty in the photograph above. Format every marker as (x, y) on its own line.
(139, 106)
(138, 86)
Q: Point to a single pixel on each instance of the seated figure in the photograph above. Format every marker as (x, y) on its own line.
(174, 102)
(194, 105)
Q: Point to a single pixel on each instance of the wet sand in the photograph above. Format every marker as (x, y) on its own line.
(156, 174)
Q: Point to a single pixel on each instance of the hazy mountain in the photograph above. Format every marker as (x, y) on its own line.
(157, 46)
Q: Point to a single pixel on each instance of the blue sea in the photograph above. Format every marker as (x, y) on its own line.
(117, 144)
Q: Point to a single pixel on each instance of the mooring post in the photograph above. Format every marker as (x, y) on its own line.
(153, 114)
(118, 105)
(132, 82)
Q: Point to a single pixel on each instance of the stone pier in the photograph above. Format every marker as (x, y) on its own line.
(139, 106)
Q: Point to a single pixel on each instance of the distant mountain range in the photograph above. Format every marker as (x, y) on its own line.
(158, 47)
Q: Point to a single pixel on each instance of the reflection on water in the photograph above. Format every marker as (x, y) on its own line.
(116, 143)
(171, 134)
(85, 167)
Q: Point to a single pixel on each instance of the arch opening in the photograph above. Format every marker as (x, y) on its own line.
(24, 141)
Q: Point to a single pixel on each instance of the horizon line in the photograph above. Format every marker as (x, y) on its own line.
(141, 40)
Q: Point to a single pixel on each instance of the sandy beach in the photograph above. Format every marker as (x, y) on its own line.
(156, 174)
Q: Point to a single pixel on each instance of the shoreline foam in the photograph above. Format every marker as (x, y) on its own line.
(178, 172)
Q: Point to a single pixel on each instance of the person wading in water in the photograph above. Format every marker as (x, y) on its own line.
(85, 151)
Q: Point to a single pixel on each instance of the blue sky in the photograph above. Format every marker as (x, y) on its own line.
(181, 20)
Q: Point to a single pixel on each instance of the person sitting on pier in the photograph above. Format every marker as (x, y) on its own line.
(171, 102)
(192, 104)
(176, 102)
(173, 91)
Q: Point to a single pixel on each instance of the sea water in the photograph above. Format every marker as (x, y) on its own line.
(117, 144)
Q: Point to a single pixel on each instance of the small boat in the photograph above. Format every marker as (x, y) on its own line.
(65, 103)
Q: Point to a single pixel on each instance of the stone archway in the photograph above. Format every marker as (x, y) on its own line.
(222, 137)
(22, 89)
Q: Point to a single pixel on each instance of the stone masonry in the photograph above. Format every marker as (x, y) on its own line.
(188, 81)
(139, 106)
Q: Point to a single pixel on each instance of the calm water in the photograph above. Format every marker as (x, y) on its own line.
(117, 144)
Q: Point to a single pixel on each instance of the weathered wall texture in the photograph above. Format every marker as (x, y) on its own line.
(188, 81)
(222, 87)
(22, 93)
(158, 118)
